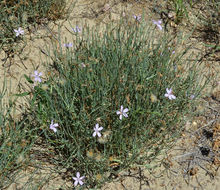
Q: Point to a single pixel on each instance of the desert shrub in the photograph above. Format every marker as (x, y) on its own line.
(86, 84)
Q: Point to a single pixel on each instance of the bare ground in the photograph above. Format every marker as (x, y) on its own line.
(192, 163)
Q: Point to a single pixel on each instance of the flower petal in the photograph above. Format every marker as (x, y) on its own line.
(168, 91)
(160, 27)
(76, 183)
(124, 114)
(77, 174)
(125, 110)
(118, 112)
(121, 108)
(159, 21)
(172, 96)
(36, 79)
(81, 178)
(54, 129)
(80, 182)
(99, 134)
(120, 117)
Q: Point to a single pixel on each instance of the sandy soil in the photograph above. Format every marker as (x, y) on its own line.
(183, 167)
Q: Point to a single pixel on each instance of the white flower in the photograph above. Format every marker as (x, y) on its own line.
(78, 179)
(68, 45)
(77, 29)
(137, 18)
(19, 31)
(122, 112)
(97, 129)
(82, 65)
(158, 23)
(172, 51)
(53, 126)
(37, 76)
(192, 96)
(169, 94)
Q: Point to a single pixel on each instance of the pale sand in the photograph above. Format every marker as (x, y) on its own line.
(85, 13)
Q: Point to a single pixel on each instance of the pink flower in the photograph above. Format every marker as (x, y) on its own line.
(169, 94)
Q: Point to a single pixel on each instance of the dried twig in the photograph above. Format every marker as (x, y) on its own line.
(184, 155)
